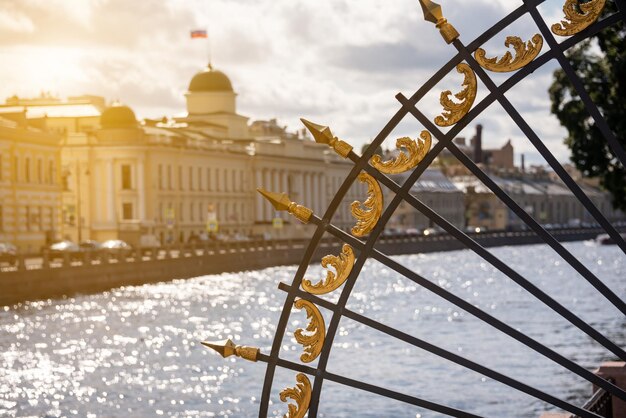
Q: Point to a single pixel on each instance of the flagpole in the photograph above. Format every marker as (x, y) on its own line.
(209, 40)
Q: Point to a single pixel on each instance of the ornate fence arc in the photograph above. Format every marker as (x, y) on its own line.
(581, 21)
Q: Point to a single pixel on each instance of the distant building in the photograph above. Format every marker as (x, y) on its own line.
(177, 178)
(482, 208)
(30, 192)
(494, 159)
(436, 191)
(546, 199)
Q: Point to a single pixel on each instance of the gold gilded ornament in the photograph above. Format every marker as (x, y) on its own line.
(432, 13)
(323, 135)
(454, 112)
(343, 266)
(525, 52)
(313, 340)
(228, 348)
(281, 202)
(575, 21)
(416, 151)
(301, 393)
(367, 213)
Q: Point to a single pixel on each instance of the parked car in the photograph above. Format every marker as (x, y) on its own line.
(90, 246)
(433, 231)
(59, 250)
(8, 253)
(412, 231)
(475, 229)
(116, 248)
(148, 243)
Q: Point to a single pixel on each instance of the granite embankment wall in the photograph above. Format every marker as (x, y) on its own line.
(32, 281)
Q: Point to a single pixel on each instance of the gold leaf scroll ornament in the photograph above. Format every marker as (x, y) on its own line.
(313, 340)
(367, 213)
(453, 112)
(575, 21)
(525, 52)
(301, 393)
(416, 151)
(343, 266)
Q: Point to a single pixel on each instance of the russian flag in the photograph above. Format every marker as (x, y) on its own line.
(195, 34)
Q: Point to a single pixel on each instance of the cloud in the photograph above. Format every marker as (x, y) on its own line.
(335, 61)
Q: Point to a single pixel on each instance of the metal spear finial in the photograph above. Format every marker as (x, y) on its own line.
(227, 348)
(433, 13)
(323, 135)
(282, 202)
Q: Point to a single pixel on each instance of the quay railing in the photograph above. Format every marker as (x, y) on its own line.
(394, 244)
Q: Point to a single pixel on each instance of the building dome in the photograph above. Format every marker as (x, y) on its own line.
(210, 80)
(118, 116)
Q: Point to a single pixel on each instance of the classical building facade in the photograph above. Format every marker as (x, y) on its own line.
(176, 178)
(30, 192)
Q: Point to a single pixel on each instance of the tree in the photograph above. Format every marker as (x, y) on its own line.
(600, 63)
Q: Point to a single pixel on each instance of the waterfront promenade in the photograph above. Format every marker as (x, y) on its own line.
(38, 278)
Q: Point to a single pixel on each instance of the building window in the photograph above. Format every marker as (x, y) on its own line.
(1, 218)
(160, 177)
(192, 214)
(190, 178)
(180, 178)
(126, 177)
(208, 179)
(27, 170)
(182, 213)
(241, 181)
(39, 171)
(28, 218)
(16, 169)
(51, 176)
(225, 180)
(1, 167)
(217, 179)
(199, 178)
(169, 177)
(234, 174)
(127, 211)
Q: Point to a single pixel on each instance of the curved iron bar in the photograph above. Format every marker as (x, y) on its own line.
(500, 265)
(528, 220)
(306, 260)
(331, 330)
(541, 147)
(479, 313)
(346, 381)
(273, 360)
(440, 352)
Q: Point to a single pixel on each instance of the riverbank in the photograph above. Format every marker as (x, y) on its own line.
(48, 280)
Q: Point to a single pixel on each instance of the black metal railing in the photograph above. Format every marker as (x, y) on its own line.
(370, 247)
(600, 403)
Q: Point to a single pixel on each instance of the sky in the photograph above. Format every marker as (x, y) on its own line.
(335, 62)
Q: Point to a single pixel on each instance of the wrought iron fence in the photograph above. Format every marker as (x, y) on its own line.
(580, 22)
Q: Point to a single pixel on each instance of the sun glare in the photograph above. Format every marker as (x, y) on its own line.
(47, 68)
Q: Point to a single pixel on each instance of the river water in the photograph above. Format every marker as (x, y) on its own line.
(135, 351)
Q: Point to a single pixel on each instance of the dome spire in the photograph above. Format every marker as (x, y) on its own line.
(210, 80)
